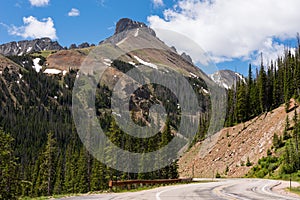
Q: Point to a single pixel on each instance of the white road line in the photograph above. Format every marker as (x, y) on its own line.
(170, 189)
(266, 189)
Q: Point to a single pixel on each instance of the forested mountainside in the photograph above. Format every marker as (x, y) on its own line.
(44, 154)
(261, 138)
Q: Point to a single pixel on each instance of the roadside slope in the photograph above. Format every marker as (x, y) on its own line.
(231, 147)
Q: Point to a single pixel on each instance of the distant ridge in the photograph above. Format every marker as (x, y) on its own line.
(28, 46)
(226, 78)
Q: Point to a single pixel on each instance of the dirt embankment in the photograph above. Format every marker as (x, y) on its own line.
(231, 147)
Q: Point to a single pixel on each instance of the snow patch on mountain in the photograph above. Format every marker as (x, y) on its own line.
(205, 91)
(132, 63)
(241, 77)
(193, 75)
(52, 71)
(146, 63)
(29, 49)
(226, 86)
(227, 78)
(137, 32)
(36, 65)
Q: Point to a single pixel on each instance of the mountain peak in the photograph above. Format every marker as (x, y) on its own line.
(126, 24)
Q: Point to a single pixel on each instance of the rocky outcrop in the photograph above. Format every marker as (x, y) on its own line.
(187, 57)
(29, 46)
(84, 45)
(126, 24)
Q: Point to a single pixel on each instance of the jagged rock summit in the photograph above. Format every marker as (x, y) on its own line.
(187, 57)
(126, 24)
(29, 46)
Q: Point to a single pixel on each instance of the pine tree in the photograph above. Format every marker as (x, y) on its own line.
(276, 91)
(256, 109)
(262, 85)
(47, 166)
(249, 90)
(242, 105)
(82, 176)
(98, 179)
(9, 182)
(59, 179)
(287, 167)
(296, 138)
(286, 135)
(71, 170)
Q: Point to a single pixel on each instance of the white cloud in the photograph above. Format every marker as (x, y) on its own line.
(39, 3)
(233, 28)
(33, 28)
(271, 51)
(158, 3)
(74, 12)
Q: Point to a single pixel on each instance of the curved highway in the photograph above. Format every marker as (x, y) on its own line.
(227, 189)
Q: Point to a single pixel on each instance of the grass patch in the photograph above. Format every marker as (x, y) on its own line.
(295, 190)
(56, 196)
(48, 197)
(44, 54)
(86, 51)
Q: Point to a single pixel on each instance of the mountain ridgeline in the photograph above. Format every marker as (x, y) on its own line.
(29, 46)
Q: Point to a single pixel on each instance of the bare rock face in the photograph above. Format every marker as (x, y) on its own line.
(126, 24)
(187, 57)
(29, 46)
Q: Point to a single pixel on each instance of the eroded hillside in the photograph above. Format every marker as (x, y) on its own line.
(227, 151)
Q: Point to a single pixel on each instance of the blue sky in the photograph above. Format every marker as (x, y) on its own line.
(95, 22)
(233, 32)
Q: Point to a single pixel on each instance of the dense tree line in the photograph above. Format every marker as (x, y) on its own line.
(272, 86)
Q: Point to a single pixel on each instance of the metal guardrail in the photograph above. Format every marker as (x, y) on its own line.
(136, 183)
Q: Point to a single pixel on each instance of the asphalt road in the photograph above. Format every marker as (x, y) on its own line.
(228, 189)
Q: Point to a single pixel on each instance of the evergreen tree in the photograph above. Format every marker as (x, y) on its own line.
(59, 179)
(296, 139)
(47, 166)
(71, 170)
(242, 103)
(9, 182)
(262, 87)
(98, 178)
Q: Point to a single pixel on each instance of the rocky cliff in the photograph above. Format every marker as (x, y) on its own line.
(126, 24)
(29, 46)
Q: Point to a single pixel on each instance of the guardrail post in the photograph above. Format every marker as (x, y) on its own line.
(110, 185)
